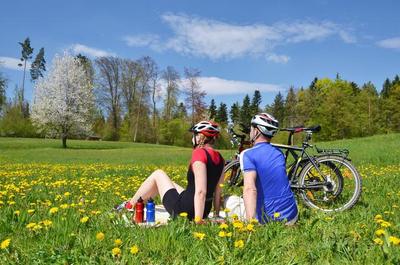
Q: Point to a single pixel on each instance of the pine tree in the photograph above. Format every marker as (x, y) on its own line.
(38, 66)
(212, 110)
(235, 113)
(290, 108)
(222, 114)
(278, 107)
(245, 112)
(26, 55)
(255, 102)
(386, 88)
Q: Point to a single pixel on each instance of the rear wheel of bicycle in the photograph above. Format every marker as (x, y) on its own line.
(232, 174)
(338, 188)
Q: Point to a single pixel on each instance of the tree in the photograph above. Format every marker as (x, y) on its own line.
(63, 101)
(277, 108)
(386, 88)
(212, 110)
(290, 108)
(367, 112)
(38, 66)
(172, 79)
(245, 112)
(109, 91)
(235, 113)
(26, 54)
(222, 114)
(255, 103)
(194, 94)
(180, 112)
(3, 86)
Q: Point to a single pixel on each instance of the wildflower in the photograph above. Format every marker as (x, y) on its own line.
(84, 219)
(183, 214)
(237, 224)
(30, 225)
(379, 232)
(31, 211)
(37, 227)
(394, 240)
(221, 234)
(239, 244)
(5, 243)
(385, 224)
(67, 194)
(198, 235)
(64, 206)
(116, 251)
(253, 221)
(17, 212)
(134, 249)
(223, 226)
(276, 215)
(47, 223)
(226, 210)
(53, 210)
(378, 241)
(378, 217)
(100, 236)
(221, 185)
(197, 219)
(235, 216)
(250, 228)
(118, 242)
(229, 234)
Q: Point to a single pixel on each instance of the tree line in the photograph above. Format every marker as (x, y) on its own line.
(114, 98)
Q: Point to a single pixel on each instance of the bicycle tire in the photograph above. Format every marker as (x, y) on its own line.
(329, 160)
(234, 178)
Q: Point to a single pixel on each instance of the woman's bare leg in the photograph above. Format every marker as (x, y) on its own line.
(158, 183)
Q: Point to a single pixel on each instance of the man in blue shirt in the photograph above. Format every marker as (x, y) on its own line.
(266, 192)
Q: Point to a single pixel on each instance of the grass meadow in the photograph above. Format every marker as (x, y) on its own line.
(55, 209)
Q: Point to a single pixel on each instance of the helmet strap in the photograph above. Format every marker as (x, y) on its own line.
(195, 144)
(252, 140)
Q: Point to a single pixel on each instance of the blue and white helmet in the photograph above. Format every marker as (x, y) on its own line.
(266, 123)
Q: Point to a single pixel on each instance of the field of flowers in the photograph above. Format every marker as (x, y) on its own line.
(59, 213)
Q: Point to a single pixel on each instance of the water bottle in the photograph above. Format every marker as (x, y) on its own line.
(139, 211)
(150, 212)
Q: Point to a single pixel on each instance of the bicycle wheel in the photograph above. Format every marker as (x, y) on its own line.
(232, 174)
(334, 186)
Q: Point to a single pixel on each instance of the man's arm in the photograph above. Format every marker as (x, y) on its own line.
(250, 193)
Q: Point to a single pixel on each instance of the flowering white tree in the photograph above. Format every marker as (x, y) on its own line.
(64, 100)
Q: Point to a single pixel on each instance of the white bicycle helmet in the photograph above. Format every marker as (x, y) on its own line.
(207, 128)
(266, 123)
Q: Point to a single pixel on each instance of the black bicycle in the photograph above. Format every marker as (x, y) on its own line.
(325, 180)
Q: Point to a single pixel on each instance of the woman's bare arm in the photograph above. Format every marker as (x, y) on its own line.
(200, 179)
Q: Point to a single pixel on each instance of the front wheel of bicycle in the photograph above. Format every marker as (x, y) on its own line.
(330, 184)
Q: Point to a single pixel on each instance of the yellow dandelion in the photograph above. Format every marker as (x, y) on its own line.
(394, 240)
(253, 221)
(222, 234)
(118, 242)
(30, 225)
(237, 224)
(197, 219)
(183, 214)
(100, 236)
(239, 244)
(31, 211)
(223, 226)
(53, 210)
(229, 234)
(385, 224)
(5, 243)
(277, 215)
(198, 235)
(378, 241)
(84, 219)
(47, 223)
(17, 212)
(116, 251)
(377, 217)
(250, 228)
(134, 249)
(221, 185)
(379, 232)
(226, 210)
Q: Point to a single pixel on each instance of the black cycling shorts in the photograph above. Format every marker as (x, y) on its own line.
(171, 202)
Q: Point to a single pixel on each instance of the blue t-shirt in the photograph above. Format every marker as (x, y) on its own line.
(273, 189)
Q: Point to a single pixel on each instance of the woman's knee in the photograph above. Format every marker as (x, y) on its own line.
(159, 173)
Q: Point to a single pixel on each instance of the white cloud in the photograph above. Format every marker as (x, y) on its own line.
(393, 43)
(12, 63)
(220, 40)
(93, 52)
(219, 86)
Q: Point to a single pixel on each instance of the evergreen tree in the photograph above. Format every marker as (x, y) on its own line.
(235, 113)
(290, 109)
(180, 112)
(212, 110)
(386, 88)
(3, 86)
(222, 114)
(277, 108)
(38, 66)
(255, 102)
(26, 55)
(312, 85)
(245, 112)
(355, 88)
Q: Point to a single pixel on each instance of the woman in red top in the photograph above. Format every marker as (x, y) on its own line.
(204, 175)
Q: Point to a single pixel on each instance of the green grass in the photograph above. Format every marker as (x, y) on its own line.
(90, 177)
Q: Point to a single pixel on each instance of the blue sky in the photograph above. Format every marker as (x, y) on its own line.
(239, 46)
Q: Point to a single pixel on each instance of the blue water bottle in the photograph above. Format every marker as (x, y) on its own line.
(150, 212)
